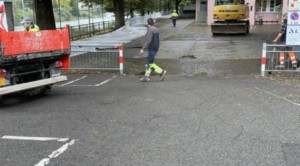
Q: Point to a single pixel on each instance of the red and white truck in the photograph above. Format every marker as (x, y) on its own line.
(31, 62)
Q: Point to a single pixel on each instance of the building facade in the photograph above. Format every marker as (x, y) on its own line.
(270, 11)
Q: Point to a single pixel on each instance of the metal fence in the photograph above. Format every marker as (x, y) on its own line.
(280, 58)
(97, 57)
(88, 30)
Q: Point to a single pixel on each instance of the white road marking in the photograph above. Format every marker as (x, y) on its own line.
(106, 81)
(82, 85)
(55, 153)
(74, 81)
(35, 138)
(285, 99)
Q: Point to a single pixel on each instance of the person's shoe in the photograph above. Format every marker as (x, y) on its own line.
(294, 65)
(163, 75)
(145, 79)
(280, 66)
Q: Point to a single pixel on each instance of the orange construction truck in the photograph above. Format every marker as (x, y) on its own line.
(31, 62)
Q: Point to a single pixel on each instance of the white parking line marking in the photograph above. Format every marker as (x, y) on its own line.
(106, 81)
(74, 81)
(285, 99)
(82, 85)
(35, 138)
(55, 153)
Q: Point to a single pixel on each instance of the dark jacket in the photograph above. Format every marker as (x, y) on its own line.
(152, 39)
(283, 31)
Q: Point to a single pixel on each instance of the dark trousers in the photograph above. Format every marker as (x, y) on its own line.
(150, 58)
(174, 22)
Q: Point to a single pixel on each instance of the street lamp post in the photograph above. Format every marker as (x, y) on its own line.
(78, 18)
(102, 10)
(89, 18)
(59, 14)
(78, 12)
(23, 8)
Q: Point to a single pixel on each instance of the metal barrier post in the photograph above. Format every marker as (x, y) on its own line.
(263, 60)
(79, 32)
(121, 59)
(103, 23)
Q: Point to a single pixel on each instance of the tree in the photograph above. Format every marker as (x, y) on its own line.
(119, 13)
(44, 14)
(74, 6)
(116, 6)
(177, 2)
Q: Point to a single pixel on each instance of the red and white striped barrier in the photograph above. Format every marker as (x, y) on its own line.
(121, 60)
(263, 60)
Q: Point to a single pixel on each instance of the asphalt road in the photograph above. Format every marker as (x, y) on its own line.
(117, 120)
(191, 49)
(232, 118)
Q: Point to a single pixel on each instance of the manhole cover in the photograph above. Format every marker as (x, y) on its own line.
(188, 57)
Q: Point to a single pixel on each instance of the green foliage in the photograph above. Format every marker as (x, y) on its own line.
(186, 2)
(74, 8)
(133, 6)
(64, 15)
(19, 13)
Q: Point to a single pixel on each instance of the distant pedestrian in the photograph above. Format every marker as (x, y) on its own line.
(152, 44)
(174, 18)
(281, 38)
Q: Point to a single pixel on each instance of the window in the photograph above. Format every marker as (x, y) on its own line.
(268, 6)
(224, 2)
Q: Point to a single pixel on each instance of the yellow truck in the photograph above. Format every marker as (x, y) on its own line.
(231, 17)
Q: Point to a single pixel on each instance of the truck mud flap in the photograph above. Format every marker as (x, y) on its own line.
(238, 28)
(31, 85)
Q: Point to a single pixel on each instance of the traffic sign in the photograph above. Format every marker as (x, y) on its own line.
(294, 5)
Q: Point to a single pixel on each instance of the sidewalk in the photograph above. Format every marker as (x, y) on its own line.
(123, 35)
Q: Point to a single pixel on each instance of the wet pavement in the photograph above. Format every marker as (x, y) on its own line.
(197, 51)
(234, 119)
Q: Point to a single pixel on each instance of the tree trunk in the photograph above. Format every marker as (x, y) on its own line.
(119, 13)
(177, 5)
(44, 14)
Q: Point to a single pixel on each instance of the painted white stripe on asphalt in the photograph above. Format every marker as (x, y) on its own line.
(82, 85)
(71, 82)
(106, 81)
(272, 94)
(55, 153)
(35, 138)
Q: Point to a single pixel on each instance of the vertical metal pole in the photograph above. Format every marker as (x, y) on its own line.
(263, 60)
(102, 10)
(92, 21)
(89, 18)
(121, 59)
(78, 19)
(23, 8)
(102, 16)
(59, 14)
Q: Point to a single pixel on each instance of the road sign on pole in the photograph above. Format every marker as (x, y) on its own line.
(293, 23)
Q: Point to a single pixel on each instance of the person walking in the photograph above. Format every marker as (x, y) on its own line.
(152, 44)
(281, 37)
(29, 24)
(174, 18)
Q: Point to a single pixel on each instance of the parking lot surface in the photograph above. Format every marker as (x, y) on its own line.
(117, 120)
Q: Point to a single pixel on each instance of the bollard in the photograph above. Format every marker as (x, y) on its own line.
(263, 60)
(121, 59)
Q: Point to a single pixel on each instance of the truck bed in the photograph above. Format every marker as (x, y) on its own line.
(14, 44)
